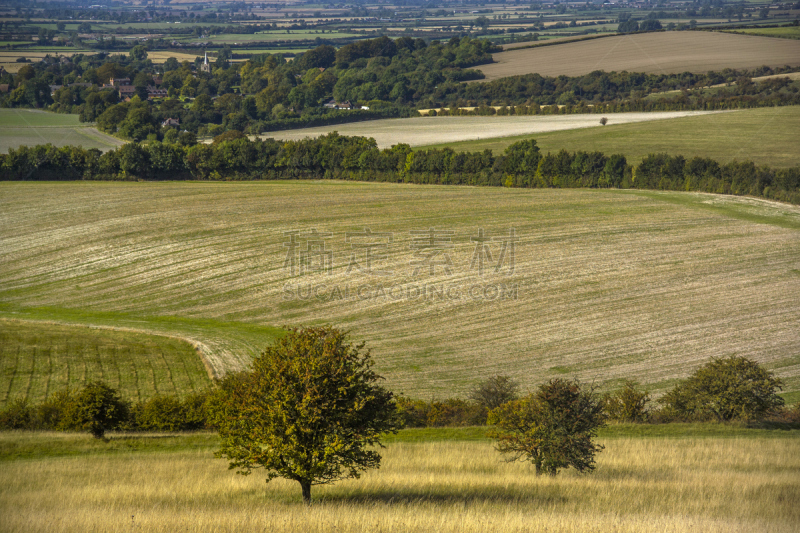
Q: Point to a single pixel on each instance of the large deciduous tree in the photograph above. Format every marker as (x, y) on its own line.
(553, 427)
(310, 409)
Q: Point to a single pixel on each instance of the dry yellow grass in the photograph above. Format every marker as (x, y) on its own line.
(656, 53)
(641, 485)
(611, 284)
(421, 131)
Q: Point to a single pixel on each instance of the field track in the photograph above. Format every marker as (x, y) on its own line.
(421, 131)
(609, 284)
(654, 53)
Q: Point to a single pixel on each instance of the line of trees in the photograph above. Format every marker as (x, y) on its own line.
(234, 157)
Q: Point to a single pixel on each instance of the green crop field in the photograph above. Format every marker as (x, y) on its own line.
(766, 136)
(39, 359)
(605, 285)
(70, 482)
(26, 127)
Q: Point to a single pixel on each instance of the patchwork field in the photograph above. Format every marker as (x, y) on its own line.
(39, 359)
(421, 131)
(28, 127)
(656, 53)
(605, 285)
(173, 483)
(766, 136)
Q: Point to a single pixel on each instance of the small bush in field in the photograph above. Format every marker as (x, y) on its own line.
(96, 408)
(17, 415)
(628, 404)
(495, 391)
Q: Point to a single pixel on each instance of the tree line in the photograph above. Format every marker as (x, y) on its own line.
(232, 156)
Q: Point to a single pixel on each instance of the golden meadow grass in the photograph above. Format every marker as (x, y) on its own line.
(644, 484)
(611, 284)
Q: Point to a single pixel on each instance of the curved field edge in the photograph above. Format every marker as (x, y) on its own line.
(610, 284)
(219, 345)
(38, 359)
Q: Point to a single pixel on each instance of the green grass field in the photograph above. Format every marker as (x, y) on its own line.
(39, 359)
(766, 136)
(69, 482)
(26, 127)
(609, 284)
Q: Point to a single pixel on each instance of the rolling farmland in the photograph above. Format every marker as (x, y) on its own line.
(27, 127)
(606, 284)
(421, 131)
(766, 136)
(655, 53)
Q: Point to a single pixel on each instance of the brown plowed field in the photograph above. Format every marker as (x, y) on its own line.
(656, 53)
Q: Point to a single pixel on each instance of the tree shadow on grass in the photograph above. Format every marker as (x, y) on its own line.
(473, 496)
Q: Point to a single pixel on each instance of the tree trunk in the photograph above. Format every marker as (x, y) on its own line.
(306, 486)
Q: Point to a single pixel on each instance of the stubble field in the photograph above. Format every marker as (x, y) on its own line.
(421, 131)
(654, 53)
(168, 483)
(605, 285)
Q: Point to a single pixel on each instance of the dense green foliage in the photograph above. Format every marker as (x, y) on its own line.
(377, 78)
(553, 427)
(358, 158)
(734, 388)
(310, 409)
(629, 404)
(96, 408)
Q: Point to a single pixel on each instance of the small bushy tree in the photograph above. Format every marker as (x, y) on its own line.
(310, 409)
(733, 388)
(495, 391)
(553, 427)
(97, 408)
(629, 404)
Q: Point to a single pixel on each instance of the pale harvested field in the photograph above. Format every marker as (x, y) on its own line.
(655, 53)
(642, 485)
(610, 284)
(422, 131)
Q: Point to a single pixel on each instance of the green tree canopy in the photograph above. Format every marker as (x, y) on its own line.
(553, 427)
(726, 389)
(310, 409)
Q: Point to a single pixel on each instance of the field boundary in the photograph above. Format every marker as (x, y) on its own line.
(199, 347)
